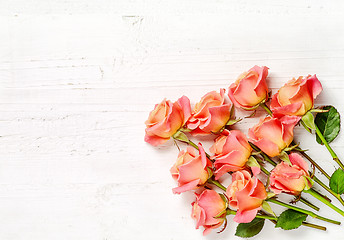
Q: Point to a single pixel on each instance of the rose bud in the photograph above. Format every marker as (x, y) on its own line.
(272, 135)
(290, 179)
(250, 89)
(206, 208)
(245, 194)
(231, 151)
(166, 119)
(191, 169)
(210, 114)
(296, 97)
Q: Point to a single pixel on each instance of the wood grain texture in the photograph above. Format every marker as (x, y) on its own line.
(78, 79)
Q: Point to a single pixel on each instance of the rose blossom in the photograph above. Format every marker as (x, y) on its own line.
(245, 194)
(231, 151)
(190, 170)
(166, 119)
(296, 97)
(272, 135)
(290, 179)
(250, 88)
(210, 114)
(207, 206)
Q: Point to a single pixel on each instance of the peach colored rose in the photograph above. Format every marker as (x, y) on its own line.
(166, 119)
(272, 135)
(207, 206)
(290, 179)
(245, 194)
(231, 151)
(190, 170)
(296, 97)
(250, 88)
(210, 114)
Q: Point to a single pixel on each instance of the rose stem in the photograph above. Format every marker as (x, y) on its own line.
(304, 201)
(312, 161)
(274, 220)
(191, 143)
(266, 157)
(266, 108)
(312, 214)
(320, 198)
(329, 190)
(333, 154)
(217, 183)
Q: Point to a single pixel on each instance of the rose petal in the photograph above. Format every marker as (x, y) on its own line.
(186, 187)
(154, 140)
(245, 216)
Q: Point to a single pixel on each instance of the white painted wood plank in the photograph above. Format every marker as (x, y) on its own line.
(78, 79)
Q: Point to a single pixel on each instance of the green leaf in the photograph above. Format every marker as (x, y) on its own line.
(233, 121)
(252, 162)
(328, 124)
(181, 136)
(246, 230)
(290, 219)
(284, 157)
(308, 120)
(287, 149)
(337, 181)
(308, 182)
(268, 208)
(270, 195)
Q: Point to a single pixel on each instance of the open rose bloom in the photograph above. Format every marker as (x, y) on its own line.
(245, 194)
(207, 206)
(272, 135)
(166, 119)
(190, 170)
(250, 88)
(231, 151)
(211, 114)
(296, 97)
(292, 179)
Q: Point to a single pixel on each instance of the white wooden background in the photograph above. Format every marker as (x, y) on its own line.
(79, 77)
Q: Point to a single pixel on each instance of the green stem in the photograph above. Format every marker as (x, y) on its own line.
(312, 214)
(320, 198)
(329, 190)
(312, 162)
(267, 173)
(275, 219)
(306, 224)
(266, 108)
(194, 145)
(266, 157)
(217, 183)
(333, 154)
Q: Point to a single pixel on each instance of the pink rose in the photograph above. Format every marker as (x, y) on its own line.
(166, 119)
(290, 179)
(190, 170)
(207, 206)
(231, 151)
(210, 114)
(250, 88)
(245, 194)
(272, 135)
(296, 97)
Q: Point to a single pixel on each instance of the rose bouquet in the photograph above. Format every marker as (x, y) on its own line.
(253, 189)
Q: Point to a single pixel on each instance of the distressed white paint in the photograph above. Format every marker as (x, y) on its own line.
(78, 79)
